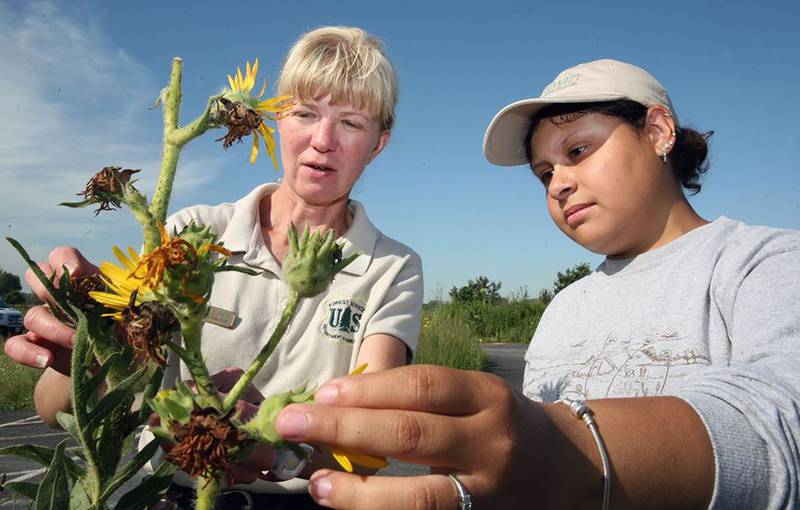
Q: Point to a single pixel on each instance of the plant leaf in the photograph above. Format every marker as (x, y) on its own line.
(149, 491)
(237, 269)
(130, 469)
(53, 493)
(75, 205)
(41, 454)
(27, 489)
(57, 295)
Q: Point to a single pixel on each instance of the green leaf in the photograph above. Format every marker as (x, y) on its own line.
(41, 454)
(93, 384)
(237, 269)
(76, 205)
(79, 497)
(27, 489)
(53, 493)
(153, 385)
(68, 423)
(149, 490)
(80, 346)
(133, 467)
(107, 405)
(57, 295)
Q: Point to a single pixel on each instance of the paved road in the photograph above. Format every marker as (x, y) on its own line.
(24, 427)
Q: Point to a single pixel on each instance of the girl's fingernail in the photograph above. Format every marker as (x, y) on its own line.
(41, 360)
(327, 394)
(321, 488)
(292, 424)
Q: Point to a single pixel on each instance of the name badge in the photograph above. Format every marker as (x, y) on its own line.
(221, 317)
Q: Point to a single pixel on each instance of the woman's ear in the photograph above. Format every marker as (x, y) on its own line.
(383, 139)
(660, 129)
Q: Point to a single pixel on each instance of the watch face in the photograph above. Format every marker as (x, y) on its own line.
(289, 464)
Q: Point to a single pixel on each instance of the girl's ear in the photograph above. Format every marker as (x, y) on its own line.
(660, 129)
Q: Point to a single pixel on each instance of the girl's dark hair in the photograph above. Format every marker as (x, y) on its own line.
(689, 156)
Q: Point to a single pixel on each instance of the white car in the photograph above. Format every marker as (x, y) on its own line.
(10, 320)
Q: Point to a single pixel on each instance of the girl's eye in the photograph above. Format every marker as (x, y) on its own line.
(577, 151)
(545, 175)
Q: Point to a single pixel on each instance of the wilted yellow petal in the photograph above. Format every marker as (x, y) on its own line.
(231, 82)
(347, 458)
(254, 150)
(359, 369)
(239, 79)
(263, 89)
(343, 461)
(275, 104)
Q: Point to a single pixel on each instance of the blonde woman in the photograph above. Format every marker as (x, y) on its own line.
(345, 91)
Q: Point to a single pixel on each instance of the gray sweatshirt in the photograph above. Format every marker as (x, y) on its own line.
(713, 318)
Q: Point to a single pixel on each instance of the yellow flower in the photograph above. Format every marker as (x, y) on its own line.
(121, 282)
(241, 87)
(347, 458)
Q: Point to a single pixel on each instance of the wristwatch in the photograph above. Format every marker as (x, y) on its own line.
(288, 463)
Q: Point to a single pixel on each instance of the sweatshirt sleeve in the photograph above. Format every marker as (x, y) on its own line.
(751, 407)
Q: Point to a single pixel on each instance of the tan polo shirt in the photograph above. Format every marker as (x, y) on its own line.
(379, 292)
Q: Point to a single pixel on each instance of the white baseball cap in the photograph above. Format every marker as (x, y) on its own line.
(591, 82)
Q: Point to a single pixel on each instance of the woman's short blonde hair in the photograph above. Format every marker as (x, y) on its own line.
(345, 62)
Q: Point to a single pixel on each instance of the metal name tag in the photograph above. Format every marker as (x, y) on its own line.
(221, 317)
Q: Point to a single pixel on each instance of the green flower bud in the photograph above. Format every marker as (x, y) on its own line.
(313, 261)
(261, 427)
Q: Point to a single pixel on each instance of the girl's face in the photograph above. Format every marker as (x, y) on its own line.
(325, 148)
(606, 188)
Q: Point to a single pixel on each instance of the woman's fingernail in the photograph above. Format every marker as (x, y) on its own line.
(292, 424)
(321, 488)
(327, 394)
(41, 360)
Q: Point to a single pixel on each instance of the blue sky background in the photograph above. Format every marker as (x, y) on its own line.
(77, 78)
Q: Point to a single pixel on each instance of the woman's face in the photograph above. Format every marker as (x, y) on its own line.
(325, 147)
(606, 188)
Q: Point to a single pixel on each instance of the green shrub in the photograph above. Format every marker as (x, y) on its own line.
(504, 322)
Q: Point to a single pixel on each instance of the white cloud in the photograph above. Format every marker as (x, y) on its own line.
(73, 102)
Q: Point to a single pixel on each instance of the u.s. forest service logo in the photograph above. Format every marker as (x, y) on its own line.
(342, 319)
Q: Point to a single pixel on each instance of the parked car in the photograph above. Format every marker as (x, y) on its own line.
(10, 320)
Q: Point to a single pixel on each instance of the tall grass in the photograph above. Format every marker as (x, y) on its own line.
(16, 383)
(448, 341)
(452, 333)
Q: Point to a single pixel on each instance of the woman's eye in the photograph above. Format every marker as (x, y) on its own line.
(351, 124)
(302, 114)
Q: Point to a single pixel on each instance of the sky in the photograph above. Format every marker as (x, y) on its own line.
(78, 80)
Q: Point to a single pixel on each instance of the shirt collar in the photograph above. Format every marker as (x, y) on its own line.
(243, 234)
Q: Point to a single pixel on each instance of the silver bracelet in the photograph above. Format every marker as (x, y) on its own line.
(582, 411)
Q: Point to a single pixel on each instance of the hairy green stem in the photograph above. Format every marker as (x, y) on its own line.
(191, 326)
(137, 203)
(175, 138)
(207, 491)
(247, 377)
(79, 399)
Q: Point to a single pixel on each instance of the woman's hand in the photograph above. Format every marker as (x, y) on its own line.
(48, 342)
